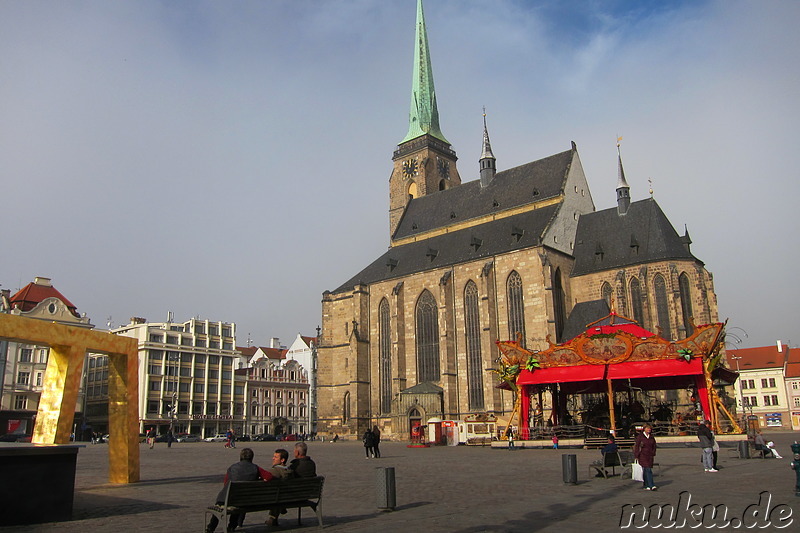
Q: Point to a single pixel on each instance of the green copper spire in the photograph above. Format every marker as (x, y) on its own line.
(424, 116)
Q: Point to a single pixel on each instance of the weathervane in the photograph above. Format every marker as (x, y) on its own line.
(650, 181)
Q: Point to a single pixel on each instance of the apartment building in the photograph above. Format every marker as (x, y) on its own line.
(761, 391)
(186, 377)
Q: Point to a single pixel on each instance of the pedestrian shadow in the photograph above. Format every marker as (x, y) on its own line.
(335, 520)
(214, 479)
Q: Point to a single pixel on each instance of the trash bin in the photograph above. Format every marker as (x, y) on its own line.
(744, 449)
(569, 468)
(384, 488)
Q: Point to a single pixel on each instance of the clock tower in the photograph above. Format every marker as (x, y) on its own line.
(424, 163)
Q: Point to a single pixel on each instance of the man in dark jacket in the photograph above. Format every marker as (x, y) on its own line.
(244, 470)
(301, 466)
(706, 437)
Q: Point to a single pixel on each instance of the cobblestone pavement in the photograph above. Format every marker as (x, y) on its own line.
(454, 489)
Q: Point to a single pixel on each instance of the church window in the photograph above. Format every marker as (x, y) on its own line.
(427, 318)
(472, 328)
(442, 185)
(412, 191)
(345, 408)
(636, 301)
(605, 292)
(385, 356)
(560, 315)
(686, 303)
(516, 309)
(662, 306)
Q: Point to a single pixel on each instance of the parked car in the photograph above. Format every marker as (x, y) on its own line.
(142, 437)
(264, 437)
(187, 437)
(219, 437)
(243, 438)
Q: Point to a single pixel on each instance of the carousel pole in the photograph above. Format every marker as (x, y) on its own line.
(611, 414)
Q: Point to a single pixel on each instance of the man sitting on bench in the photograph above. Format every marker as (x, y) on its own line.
(244, 470)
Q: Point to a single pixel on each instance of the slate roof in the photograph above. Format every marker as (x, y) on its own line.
(583, 314)
(606, 240)
(426, 387)
(495, 237)
(531, 182)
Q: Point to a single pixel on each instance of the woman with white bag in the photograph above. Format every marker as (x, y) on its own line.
(644, 450)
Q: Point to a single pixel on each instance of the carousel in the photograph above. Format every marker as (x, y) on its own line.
(615, 356)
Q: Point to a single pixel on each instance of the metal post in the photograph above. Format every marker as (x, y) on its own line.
(385, 488)
(569, 468)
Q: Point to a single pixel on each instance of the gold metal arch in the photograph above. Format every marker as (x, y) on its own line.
(62, 380)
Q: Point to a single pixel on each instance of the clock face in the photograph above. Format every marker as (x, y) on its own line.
(444, 168)
(410, 168)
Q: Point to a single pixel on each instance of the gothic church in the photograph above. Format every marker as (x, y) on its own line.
(412, 336)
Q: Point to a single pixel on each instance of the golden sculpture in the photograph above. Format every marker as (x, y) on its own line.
(62, 380)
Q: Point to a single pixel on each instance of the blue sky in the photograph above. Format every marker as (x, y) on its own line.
(230, 160)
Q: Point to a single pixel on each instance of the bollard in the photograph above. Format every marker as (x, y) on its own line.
(569, 468)
(384, 488)
(744, 449)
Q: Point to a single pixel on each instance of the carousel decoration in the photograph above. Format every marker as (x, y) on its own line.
(616, 348)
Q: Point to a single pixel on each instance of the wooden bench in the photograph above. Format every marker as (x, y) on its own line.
(610, 460)
(275, 495)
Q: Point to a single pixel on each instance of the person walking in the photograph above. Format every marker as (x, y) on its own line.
(644, 450)
(151, 437)
(706, 437)
(376, 435)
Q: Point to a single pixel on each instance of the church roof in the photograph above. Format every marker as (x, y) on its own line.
(583, 314)
(515, 187)
(607, 240)
(520, 231)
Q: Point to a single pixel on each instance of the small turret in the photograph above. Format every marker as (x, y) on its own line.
(487, 161)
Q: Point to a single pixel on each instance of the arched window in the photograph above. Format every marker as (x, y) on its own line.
(472, 329)
(636, 301)
(558, 304)
(412, 191)
(385, 356)
(605, 292)
(442, 185)
(662, 306)
(516, 309)
(345, 408)
(686, 303)
(427, 316)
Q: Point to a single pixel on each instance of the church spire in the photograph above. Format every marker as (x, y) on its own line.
(487, 161)
(424, 115)
(623, 189)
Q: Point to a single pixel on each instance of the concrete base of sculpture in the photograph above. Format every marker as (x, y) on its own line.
(37, 482)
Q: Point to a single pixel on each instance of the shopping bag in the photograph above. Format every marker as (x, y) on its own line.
(636, 470)
(715, 447)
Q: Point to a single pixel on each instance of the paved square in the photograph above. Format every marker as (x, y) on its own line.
(454, 489)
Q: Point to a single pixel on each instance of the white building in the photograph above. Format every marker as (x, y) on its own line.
(22, 366)
(186, 377)
(304, 351)
(761, 391)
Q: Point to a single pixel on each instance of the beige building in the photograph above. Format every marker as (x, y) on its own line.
(23, 365)
(412, 335)
(762, 389)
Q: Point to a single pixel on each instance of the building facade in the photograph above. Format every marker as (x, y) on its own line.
(277, 392)
(506, 255)
(186, 378)
(23, 365)
(762, 389)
